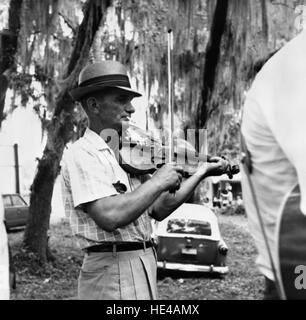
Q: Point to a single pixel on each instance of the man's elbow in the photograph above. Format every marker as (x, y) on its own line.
(158, 216)
(109, 226)
(107, 222)
(110, 223)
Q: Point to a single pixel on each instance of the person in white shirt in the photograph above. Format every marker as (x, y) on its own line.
(4, 257)
(273, 127)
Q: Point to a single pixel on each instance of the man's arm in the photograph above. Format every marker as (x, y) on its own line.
(117, 211)
(167, 203)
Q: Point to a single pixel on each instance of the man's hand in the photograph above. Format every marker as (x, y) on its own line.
(168, 177)
(215, 167)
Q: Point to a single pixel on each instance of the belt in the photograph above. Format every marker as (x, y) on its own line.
(116, 247)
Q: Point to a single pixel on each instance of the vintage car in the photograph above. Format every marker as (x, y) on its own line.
(189, 240)
(16, 211)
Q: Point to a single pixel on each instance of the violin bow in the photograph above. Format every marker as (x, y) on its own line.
(170, 94)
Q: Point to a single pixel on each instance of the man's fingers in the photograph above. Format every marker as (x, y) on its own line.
(176, 167)
(180, 177)
(221, 165)
(214, 159)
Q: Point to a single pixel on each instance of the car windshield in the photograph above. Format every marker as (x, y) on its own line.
(189, 227)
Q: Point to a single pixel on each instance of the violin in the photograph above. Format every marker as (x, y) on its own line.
(142, 153)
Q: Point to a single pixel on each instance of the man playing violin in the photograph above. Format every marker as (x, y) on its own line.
(109, 210)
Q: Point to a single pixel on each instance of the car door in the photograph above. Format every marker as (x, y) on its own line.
(10, 214)
(21, 208)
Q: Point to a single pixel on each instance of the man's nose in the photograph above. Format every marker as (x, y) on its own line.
(129, 108)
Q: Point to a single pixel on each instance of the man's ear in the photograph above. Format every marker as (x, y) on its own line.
(92, 105)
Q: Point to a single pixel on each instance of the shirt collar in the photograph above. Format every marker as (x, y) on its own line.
(94, 139)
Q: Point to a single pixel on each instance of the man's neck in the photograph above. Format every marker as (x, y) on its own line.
(113, 142)
(96, 129)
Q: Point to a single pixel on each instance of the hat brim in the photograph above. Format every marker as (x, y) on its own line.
(80, 92)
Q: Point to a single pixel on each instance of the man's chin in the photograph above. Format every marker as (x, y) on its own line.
(125, 123)
(125, 120)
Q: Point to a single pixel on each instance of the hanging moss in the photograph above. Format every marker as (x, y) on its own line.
(252, 36)
(151, 21)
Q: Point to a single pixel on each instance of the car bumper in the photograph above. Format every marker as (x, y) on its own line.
(192, 267)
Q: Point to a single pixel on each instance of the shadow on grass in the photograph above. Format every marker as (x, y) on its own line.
(177, 274)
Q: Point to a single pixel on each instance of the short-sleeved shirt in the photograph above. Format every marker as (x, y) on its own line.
(274, 128)
(90, 171)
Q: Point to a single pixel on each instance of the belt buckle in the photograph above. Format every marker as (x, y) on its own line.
(150, 244)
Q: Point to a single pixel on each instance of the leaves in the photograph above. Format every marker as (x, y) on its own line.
(4, 5)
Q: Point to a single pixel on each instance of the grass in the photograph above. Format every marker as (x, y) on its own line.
(58, 281)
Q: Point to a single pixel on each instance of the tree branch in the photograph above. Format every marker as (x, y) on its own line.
(94, 10)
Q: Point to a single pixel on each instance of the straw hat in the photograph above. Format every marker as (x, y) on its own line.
(101, 75)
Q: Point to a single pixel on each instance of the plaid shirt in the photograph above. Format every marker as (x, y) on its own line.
(89, 172)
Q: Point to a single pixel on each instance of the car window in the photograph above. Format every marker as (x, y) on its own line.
(17, 201)
(181, 226)
(7, 201)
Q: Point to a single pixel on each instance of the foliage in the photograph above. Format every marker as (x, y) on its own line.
(4, 5)
(139, 39)
(135, 32)
(45, 45)
(255, 30)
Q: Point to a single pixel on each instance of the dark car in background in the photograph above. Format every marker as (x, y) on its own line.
(16, 211)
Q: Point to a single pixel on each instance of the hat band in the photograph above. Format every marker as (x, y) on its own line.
(108, 80)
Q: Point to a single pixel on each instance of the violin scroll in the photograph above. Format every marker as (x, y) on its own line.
(230, 169)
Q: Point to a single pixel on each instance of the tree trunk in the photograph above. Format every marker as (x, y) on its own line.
(212, 59)
(8, 49)
(3, 88)
(60, 132)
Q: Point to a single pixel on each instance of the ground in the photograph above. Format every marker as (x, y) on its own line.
(59, 279)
